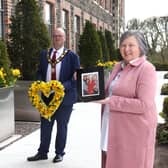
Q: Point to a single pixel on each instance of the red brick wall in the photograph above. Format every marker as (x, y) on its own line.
(72, 11)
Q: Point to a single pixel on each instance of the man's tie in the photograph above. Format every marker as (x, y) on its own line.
(53, 67)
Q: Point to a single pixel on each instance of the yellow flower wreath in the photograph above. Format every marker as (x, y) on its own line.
(46, 88)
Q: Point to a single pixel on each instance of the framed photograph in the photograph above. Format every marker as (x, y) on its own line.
(90, 84)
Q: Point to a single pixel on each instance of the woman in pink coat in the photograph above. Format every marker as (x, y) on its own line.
(129, 117)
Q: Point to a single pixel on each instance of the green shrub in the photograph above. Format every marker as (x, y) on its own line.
(165, 108)
(105, 51)
(160, 67)
(166, 76)
(111, 45)
(164, 89)
(89, 46)
(28, 37)
(162, 115)
(4, 60)
(162, 133)
(162, 129)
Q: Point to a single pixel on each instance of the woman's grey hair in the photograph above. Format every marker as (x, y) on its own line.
(140, 39)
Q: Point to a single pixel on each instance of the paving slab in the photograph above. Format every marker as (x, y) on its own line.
(83, 145)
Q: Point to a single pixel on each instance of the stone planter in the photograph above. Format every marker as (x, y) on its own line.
(106, 75)
(7, 123)
(24, 111)
(161, 155)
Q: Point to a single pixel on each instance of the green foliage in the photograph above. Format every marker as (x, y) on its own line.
(118, 55)
(160, 66)
(110, 45)
(105, 51)
(164, 89)
(162, 115)
(165, 108)
(162, 133)
(4, 58)
(162, 129)
(89, 46)
(28, 37)
(166, 76)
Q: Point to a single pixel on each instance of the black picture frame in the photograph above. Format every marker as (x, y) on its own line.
(90, 84)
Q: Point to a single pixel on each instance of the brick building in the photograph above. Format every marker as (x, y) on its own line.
(72, 15)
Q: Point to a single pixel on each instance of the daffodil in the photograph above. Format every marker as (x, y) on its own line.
(9, 79)
(46, 88)
(107, 65)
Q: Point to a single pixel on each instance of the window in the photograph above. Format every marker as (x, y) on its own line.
(65, 25)
(77, 31)
(1, 20)
(48, 17)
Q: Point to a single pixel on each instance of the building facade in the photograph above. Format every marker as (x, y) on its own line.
(72, 15)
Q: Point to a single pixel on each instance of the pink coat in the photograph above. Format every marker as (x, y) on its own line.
(133, 117)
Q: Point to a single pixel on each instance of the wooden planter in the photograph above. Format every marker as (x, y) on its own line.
(24, 111)
(7, 123)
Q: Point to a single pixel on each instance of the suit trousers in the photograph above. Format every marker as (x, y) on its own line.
(61, 116)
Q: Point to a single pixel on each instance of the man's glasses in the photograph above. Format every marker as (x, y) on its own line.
(59, 36)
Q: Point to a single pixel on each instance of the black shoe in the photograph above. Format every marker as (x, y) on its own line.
(58, 158)
(38, 156)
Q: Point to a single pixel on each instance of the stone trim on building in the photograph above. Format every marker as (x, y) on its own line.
(104, 14)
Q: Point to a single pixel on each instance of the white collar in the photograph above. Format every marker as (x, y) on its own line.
(60, 50)
(123, 64)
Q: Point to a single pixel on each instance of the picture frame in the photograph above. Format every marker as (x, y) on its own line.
(90, 84)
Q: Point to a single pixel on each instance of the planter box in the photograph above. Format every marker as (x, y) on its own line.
(106, 75)
(7, 123)
(24, 111)
(161, 155)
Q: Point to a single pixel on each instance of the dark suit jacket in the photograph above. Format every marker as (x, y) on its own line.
(70, 64)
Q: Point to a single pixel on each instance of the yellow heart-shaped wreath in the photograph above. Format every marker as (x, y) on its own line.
(46, 88)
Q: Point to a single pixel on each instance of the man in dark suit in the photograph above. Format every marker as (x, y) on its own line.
(62, 68)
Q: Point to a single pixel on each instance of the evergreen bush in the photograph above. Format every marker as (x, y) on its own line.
(4, 58)
(166, 76)
(160, 66)
(162, 129)
(28, 37)
(105, 51)
(89, 46)
(8, 75)
(162, 134)
(111, 46)
(165, 108)
(164, 89)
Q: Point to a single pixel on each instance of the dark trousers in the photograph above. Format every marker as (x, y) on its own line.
(62, 116)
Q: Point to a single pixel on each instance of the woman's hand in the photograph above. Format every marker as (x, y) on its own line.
(103, 101)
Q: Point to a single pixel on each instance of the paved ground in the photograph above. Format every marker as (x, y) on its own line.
(82, 149)
(24, 128)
